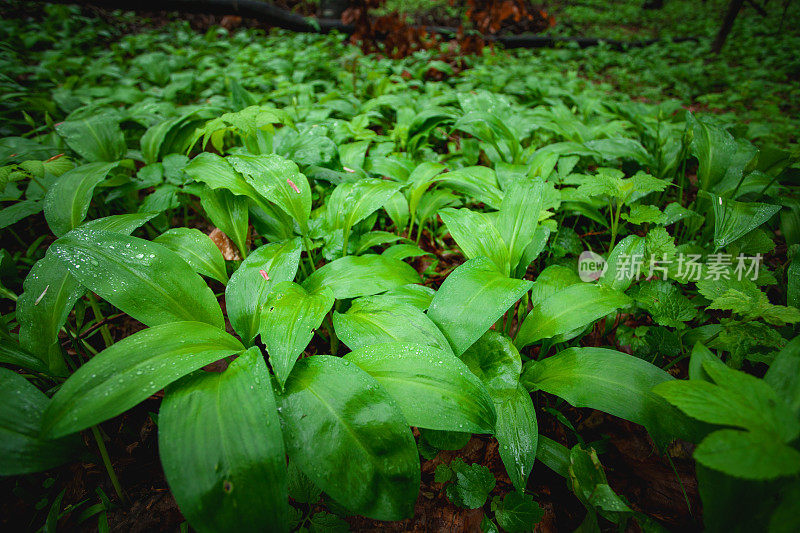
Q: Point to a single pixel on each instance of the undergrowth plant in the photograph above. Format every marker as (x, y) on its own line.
(394, 265)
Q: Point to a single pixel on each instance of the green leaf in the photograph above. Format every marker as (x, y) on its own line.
(471, 485)
(300, 488)
(747, 454)
(290, 316)
(18, 211)
(620, 273)
(229, 213)
(567, 310)
(67, 201)
(12, 353)
(404, 251)
(197, 249)
(517, 513)
(495, 360)
(476, 182)
(783, 375)
(353, 276)
(374, 320)
(248, 288)
(476, 236)
(96, 138)
(372, 465)
(50, 292)
(519, 217)
(517, 432)
(279, 181)
(132, 370)
(323, 522)
(666, 303)
(714, 149)
(553, 455)
(700, 354)
(433, 388)
(738, 399)
(22, 450)
(216, 172)
(590, 485)
(225, 464)
(610, 381)
(471, 299)
(733, 219)
(143, 279)
(352, 202)
(644, 214)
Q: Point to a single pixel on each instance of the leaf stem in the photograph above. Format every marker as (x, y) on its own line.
(107, 462)
(98, 315)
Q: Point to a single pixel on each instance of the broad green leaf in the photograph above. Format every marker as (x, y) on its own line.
(734, 219)
(279, 181)
(247, 291)
(374, 320)
(12, 353)
(376, 238)
(532, 251)
(519, 217)
(589, 483)
(350, 438)
(433, 388)
(747, 454)
(553, 455)
(229, 213)
(288, 320)
(67, 201)
(397, 209)
(621, 269)
(477, 182)
(197, 249)
(419, 296)
(517, 433)
(666, 303)
(143, 279)
(783, 375)
(610, 381)
(404, 251)
(132, 370)
(419, 181)
(96, 138)
(476, 236)
(18, 211)
(567, 310)
(714, 149)
(50, 292)
(737, 399)
(225, 463)
(216, 172)
(518, 513)
(353, 201)
(471, 486)
(700, 354)
(22, 450)
(495, 360)
(471, 299)
(553, 279)
(353, 276)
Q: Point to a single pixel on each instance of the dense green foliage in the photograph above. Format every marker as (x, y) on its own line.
(346, 185)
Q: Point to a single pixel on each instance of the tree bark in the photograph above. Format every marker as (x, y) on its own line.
(730, 16)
